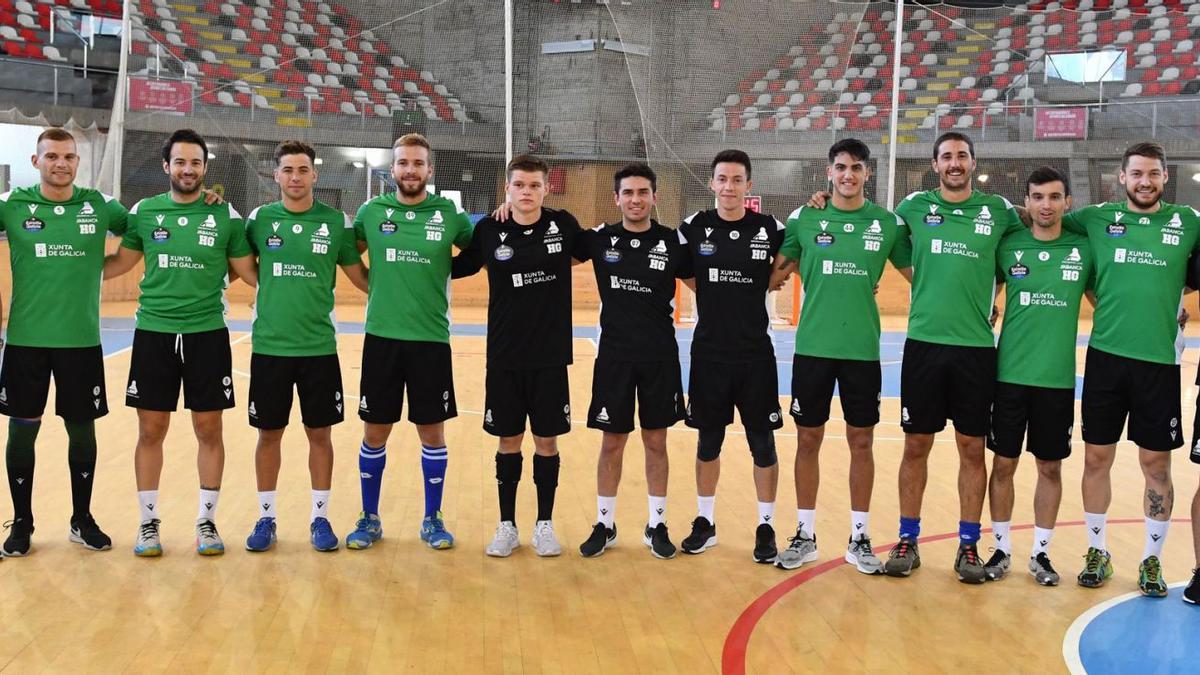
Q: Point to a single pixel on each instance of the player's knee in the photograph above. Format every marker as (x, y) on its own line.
(708, 448)
(762, 448)
(1050, 470)
(1003, 468)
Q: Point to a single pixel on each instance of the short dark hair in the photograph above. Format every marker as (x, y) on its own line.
(851, 146)
(294, 147)
(635, 170)
(527, 163)
(184, 136)
(953, 136)
(54, 134)
(1047, 174)
(1148, 149)
(732, 157)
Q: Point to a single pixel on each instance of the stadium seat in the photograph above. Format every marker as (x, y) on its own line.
(1184, 46)
(1131, 90)
(1169, 74)
(751, 124)
(349, 108)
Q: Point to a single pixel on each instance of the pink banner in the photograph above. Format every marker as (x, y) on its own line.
(161, 95)
(1061, 123)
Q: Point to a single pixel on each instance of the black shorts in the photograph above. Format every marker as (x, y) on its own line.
(715, 389)
(390, 367)
(160, 362)
(1039, 417)
(858, 384)
(1195, 454)
(543, 395)
(1116, 387)
(657, 385)
(318, 379)
(940, 382)
(79, 393)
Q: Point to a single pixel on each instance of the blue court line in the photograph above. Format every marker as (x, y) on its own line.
(1102, 642)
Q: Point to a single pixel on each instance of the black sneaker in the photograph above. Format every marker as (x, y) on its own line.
(703, 536)
(764, 545)
(85, 531)
(659, 542)
(1191, 594)
(602, 537)
(996, 568)
(17, 543)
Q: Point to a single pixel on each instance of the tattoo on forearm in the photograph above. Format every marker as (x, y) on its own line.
(1159, 504)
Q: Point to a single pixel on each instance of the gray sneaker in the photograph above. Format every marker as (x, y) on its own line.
(903, 559)
(996, 568)
(801, 549)
(859, 554)
(1042, 571)
(967, 565)
(505, 541)
(544, 542)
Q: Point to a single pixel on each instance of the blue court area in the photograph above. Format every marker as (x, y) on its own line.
(1101, 641)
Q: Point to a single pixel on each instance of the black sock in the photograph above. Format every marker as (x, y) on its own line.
(545, 477)
(508, 475)
(19, 457)
(81, 458)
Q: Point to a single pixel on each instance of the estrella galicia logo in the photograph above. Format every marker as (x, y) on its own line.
(387, 227)
(34, 225)
(612, 255)
(1018, 271)
(160, 234)
(1115, 230)
(823, 239)
(707, 248)
(504, 252)
(933, 219)
(274, 242)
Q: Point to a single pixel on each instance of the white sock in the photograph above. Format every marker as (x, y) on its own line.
(658, 510)
(605, 508)
(1156, 536)
(320, 504)
(266, 504)
(148, 500)
(705, 506)
(1096, 524)
(1000, 530)
(208, 504)
(806, 520)
(1041, 540)
(860, 522)
(766, 512)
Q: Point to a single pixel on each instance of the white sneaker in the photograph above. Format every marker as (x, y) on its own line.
(860, 554)
(208, 542)
(544, 541)
(505, 541)
(148, 544)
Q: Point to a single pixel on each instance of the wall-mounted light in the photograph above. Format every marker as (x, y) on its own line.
(358, 164)
(983, 178)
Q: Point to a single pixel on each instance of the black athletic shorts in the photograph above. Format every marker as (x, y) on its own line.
(392, 367)
(318, 379)
(940, 382)
(79, 393)
(715, 389)
(542, 395)
(1116, 387)
(160, 362)
(657, 385)
(858, 383)
(1195, 454)
(1041, 418)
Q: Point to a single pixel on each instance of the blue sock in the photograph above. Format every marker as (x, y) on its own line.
(968, 533)
(370, 470)
(910, 527)
(433, 465)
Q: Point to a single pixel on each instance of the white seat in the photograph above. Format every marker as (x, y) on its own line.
(352, 58)
(307, 29)
(1005, 32)
(795, 50)
(319, 54)
(288, 39)
(862, 98)
(731, 100)
(796, 99)
(1002, 43)
(1183, 47)
(1148, 61)
(858, 48)
(262, 13)
(868, 111)
(52, 54)
(909, 84)
(1056, 29)
(904, 71)
(759, 86)
(337, 44)
(1144, 49)
(874, 48)
(839, 123)
(763, 100)
(266, 63)
(852, 73)
(1037, 31)
(967, 82)
(261, 102)
(752, 124)
(820, 73)
(430, 113)
(825, 85)
(1169, 74)
(964, 122)
(1000, 68)
(749, 112)
(989, 94)
(1087, 40)
(291, 27)
(846, 98)
(929, 60)
(831, 61)
(428, 76)
(772, 74)
(799, 62)
(816, 111)
(1133, 89)
(1161, 35)
(803, 124)
(928, 122)
(259, 24)
(303, 52)
(172, 38)
(382, 110)
(315, 79)
(238, 35)
(1002, 55)
(269, 50)
(398, 62)
(332, 80)
(10, 33)
(349, 69)
(1025, 94)
(335, 68)
(380, 71)
(224, 97)
(1124, 37)
(942, 109)
(783, 111)
(869, 72)
(791, 85)
(933, 36)
(994, 108)
(312, 92)
(348, 108)
(786, 124)
(841, 84)
(226, 9)
(879, 61)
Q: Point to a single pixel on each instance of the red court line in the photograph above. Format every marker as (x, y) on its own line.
(733, 656)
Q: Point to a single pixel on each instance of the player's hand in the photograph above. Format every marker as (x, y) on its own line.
(994, 317)
(875, 290)
(211, 197)
(818, 200)
(501, 212)
(1183, 318)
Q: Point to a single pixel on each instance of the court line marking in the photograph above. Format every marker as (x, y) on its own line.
(1075, 632)
(733, 654)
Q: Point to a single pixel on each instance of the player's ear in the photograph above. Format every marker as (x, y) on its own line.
(33, 159)
(1068, 201)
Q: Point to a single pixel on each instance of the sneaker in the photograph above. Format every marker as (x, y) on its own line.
(505, 541)
(544, 542)
(1150, 580)
(996, 568)
(860, 554)
(1042, 571)
(765, 551)
(322, 536)
(903, 558)
(702, 538)
(263, 536)
(968, 566)
(148, 544)
(601, 539)
(208, 542)
(18, 543)
(1191, 594)
(801, 549)
(367, 530)
(659, 543)
(433, 532)
(1097, 568)
(85, 531)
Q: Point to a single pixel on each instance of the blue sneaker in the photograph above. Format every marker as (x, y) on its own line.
(263, 536)
(367, 531)
(323, 538)
(433, 532)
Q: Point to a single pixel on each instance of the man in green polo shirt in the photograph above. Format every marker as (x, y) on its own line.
(181, 339)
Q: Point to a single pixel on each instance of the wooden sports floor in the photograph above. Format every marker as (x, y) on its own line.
(401, 607)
